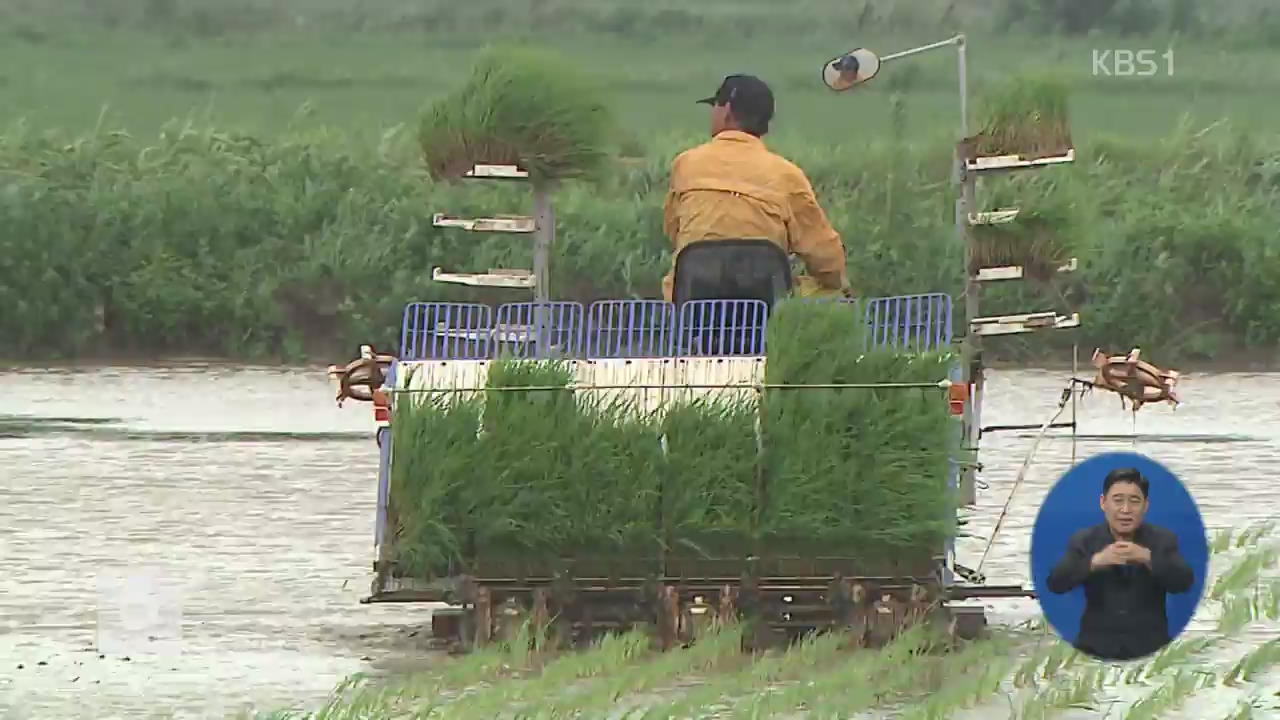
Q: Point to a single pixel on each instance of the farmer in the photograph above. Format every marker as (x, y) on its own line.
(1127, 567)
(733, 187)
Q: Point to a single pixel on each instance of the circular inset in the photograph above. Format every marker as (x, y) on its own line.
(1119, 556)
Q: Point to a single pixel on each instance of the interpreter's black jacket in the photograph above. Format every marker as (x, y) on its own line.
(1124, 615)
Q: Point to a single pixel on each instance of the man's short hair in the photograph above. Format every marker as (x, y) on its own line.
(749, 99)
(1126, 475)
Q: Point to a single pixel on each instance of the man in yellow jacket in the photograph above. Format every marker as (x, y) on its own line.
(733, 187)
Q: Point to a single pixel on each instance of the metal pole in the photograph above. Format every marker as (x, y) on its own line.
(959, 39)
(544, 238)
(1075, 371)
(971, 372)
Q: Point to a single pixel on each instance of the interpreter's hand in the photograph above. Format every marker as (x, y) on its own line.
(1107, 556)
(1133, 553)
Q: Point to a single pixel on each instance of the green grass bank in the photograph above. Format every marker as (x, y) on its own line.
(201, 241)
(286, 214)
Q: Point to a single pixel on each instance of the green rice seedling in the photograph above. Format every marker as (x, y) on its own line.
(519, 107)
(1029, 669)
(1237, 612)
(615, 469)
(528, 438)
(864, 680)
(1243, 711)
(709, 477)
(1178, 652)
(856, 472)
(1026, 115)
(720, 646)
(1245, 572)
(964, 689)
(1165, 698)
(1063, 692)
(610, 654)
(1255, 661)
(811, 654)
(1040, 239)
(432, 505)
(1221, 541)
(1255, 532)
(1270, 600)
(1058, 658)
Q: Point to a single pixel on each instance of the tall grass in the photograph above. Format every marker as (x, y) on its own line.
(213, 242)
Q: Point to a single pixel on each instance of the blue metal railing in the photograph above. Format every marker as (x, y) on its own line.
(630, 329)
(645, 328)
(916, 323)
(514, 334)
(446, 331)
(721, 327)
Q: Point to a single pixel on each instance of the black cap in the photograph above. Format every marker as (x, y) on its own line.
(747, 95)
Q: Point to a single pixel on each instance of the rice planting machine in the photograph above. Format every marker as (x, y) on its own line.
(657, 352)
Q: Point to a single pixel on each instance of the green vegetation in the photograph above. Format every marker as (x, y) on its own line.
(542, 474)
(213, 242)
(1026, 116)
(863, 469)
(289, 215)
(1022, 672)
(523, 108)
(1044, 234)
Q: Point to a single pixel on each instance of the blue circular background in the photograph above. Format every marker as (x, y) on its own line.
(1072, 504)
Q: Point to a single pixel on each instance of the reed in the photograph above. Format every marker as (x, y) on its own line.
(307, 247)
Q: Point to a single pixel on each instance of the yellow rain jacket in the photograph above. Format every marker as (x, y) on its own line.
(734, 187)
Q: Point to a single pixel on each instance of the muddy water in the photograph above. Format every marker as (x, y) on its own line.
(244, 501)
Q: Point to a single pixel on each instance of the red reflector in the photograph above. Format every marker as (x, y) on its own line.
(957, 396)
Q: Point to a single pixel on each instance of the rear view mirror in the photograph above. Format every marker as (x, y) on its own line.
(850, 70)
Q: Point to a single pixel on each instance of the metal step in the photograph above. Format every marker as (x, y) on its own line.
(997, 163)
(1029, 322)
(500, 223)
(1016, 272)
(497, 172)
(993, 217)
(493, 278)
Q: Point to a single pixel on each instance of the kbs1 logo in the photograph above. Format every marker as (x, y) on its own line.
(1132, 63)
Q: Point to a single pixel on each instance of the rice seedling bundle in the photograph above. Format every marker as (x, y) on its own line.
(1033, 241)
(1025, 116)
(852, 472)
(432, 502)
(710, 477)
(519, 107)
(533, 476)
(560, 475)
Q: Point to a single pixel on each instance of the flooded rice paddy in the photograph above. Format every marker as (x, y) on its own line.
(244, 500)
